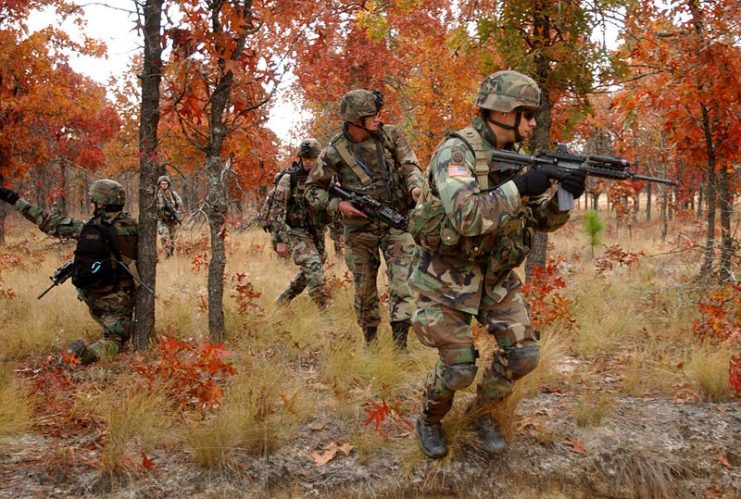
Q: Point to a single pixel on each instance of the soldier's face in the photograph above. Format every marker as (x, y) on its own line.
(372, 122)
(527, 122)
(308, 163)
(163, 185)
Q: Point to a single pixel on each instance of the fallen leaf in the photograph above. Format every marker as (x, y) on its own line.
(146, 462)
(723, 458)
(346, 448)
(576, 446)
(322, 458)
(316, 427)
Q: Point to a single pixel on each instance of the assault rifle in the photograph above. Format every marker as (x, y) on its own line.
(172, 212)
(560, 163)
(371, 207)
(63, 273)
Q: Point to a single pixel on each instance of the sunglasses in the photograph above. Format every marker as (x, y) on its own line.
(528, 114)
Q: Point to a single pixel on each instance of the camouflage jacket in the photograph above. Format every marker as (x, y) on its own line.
(485, 234)
(57, 225)
(289, 211)
(170, 198)
(390, 182)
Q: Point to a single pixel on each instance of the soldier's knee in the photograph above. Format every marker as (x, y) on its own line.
(459, 376)
(523, 360)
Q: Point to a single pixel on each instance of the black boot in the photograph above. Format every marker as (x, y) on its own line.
(78, 350)
(431, 438)
(492, 441)
(399, 332)
(370, 333)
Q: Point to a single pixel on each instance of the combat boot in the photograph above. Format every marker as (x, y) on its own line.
(492, 440)
(431, 438)
(78, 350)
(370, 333)
(399, 332)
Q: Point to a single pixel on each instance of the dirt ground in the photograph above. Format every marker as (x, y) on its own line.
(644, 447)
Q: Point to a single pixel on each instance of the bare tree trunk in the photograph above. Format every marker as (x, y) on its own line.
(707, 262)
(649, 196)
(727, 241)
(216, 211)
(700, 198)
(149, 170)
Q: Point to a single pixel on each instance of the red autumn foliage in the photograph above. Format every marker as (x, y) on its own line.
(720, 315)
(246, 297)
(192, 375)
(735, 372)
(616, 255)
(547, 305)
(379, 412)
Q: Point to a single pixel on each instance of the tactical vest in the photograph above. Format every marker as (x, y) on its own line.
(389, 187)
(431, 228)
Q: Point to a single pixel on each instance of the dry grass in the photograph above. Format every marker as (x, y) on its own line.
(15, 404)
(591, 408)
(707, 370)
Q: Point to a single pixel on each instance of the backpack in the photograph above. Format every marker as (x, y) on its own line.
(96, 256)
(263, 218)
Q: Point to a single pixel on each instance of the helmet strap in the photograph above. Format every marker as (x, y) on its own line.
(515, 127)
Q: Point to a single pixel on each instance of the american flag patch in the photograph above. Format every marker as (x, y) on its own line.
(457, 170)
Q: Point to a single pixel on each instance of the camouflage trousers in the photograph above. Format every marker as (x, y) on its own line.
(363, 250)
(310, 256)
(168, 231)
(114, 311)
(449, 330)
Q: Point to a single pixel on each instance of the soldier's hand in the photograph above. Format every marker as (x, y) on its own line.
(574, 183)
(533, 183)
(282, 250)
(347, 209)
(8, 196)
(416, 192)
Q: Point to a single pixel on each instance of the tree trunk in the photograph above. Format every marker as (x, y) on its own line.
(149, 170)
(727, 241)
(216, 211)
(707, 263)
(700, 198)
(649, 195)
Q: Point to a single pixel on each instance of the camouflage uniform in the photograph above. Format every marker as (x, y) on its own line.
(358, 167)
(292, 222)
(168, 225)
(473, 228)
(111, 306)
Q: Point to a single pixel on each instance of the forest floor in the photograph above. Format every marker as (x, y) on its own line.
(623, 404)
(644, 447)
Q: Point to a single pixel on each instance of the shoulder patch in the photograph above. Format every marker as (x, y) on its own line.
(458, 170)
(457, 157)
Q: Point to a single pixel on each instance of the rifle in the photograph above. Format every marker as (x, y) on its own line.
(135, 277)
(173, 213)
(560, 163)
(63, 273)
(371, 207)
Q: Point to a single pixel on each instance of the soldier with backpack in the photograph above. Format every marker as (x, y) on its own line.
(104, 263)
(295, 227)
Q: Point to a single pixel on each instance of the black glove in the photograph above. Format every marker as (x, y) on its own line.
(574, 183)
(533, 183)
(8, 196)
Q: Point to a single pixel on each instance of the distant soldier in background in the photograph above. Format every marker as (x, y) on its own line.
(169, 207)
(370, 158)
(104, 264)
(295, 227)
(473, 226)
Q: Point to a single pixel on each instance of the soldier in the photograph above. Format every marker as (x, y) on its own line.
(105, 244)
(370, 158)
(169, 206)
(295, 227)
(473, 225)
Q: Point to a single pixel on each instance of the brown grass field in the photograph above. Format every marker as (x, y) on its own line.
(628, 401)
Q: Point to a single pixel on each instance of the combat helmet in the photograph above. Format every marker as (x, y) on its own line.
(164, 178)
(504, 91)
(107, 192)
(360, 103)
(309, 148)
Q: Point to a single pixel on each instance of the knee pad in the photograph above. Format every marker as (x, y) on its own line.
(522, 360)
(459, 376)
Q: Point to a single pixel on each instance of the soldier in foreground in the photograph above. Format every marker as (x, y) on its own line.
(296, 228)
(105, 244)
(370, 158)
(473, 225)
(169, 206)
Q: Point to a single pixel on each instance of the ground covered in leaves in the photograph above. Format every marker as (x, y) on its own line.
(644, 447)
